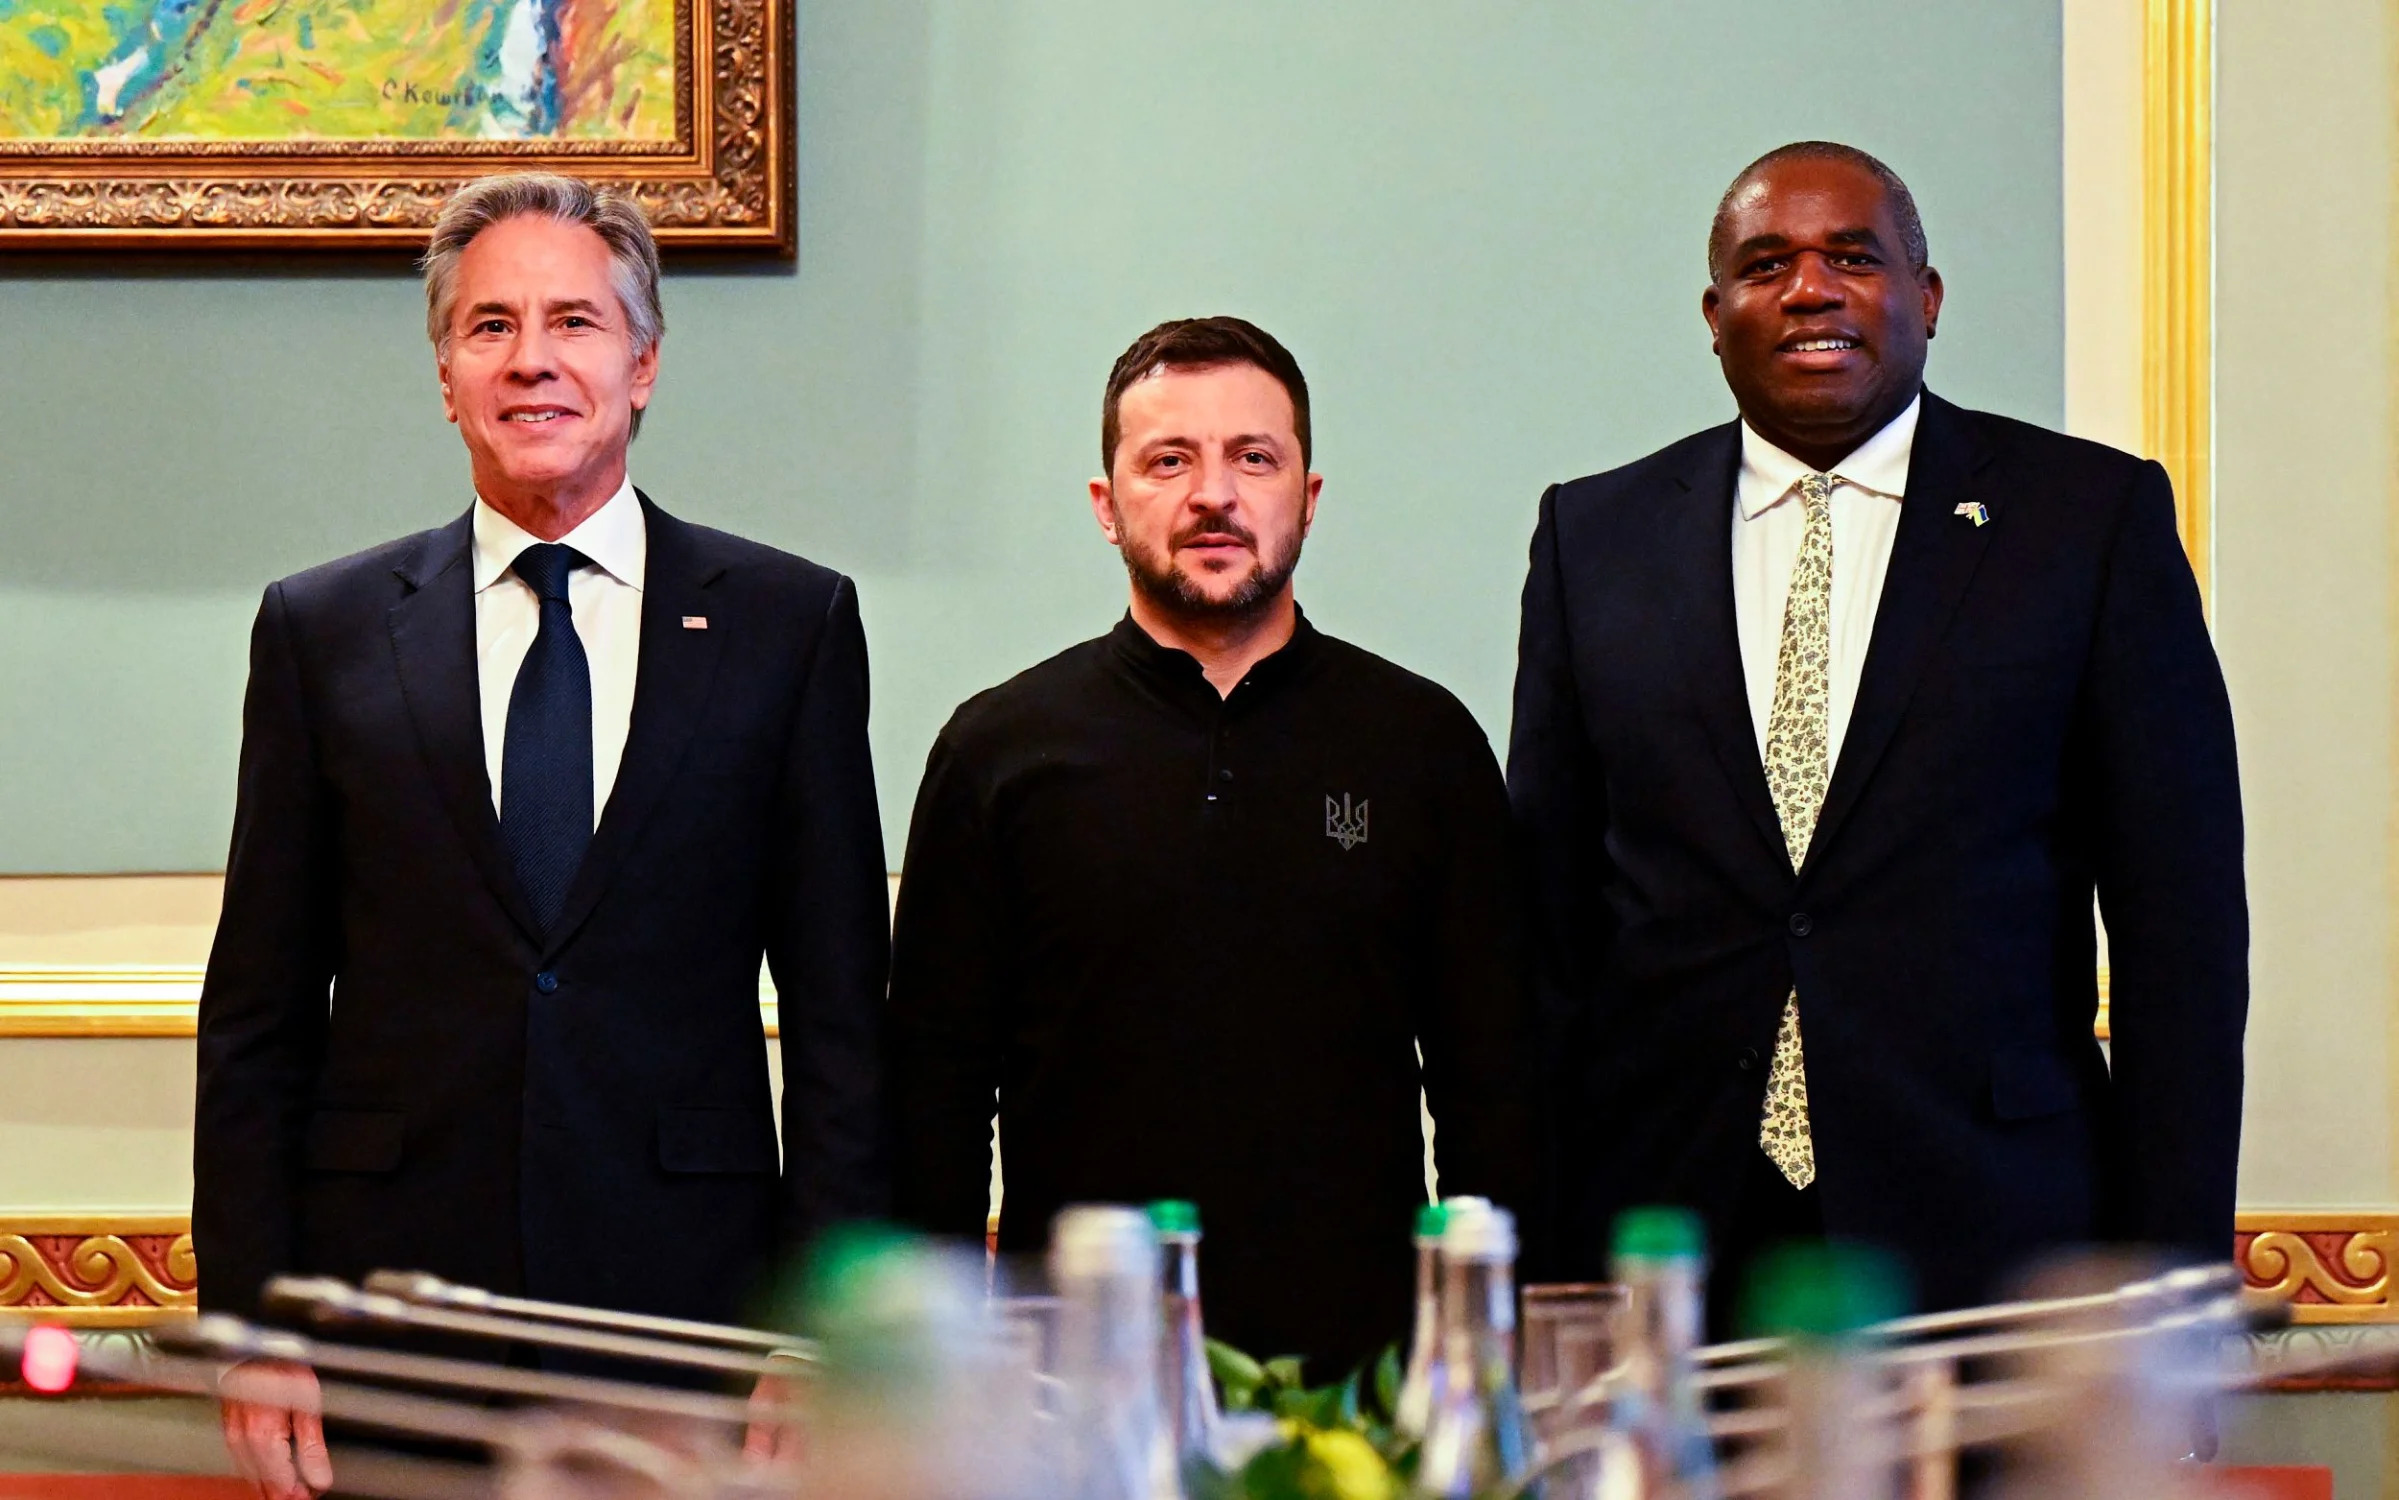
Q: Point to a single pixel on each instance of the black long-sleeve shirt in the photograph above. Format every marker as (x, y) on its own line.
(1192, 945)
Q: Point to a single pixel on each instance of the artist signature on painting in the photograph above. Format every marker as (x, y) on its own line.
(409, 91)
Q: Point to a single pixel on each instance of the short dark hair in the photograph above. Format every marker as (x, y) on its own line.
(1903, 202)
(1197, 344)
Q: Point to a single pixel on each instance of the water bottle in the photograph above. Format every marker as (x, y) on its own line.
(913, 1397)
(1841, 1443)
(1414, 1406)
(1105, 1263)
(1187, 1393)
(1477, 1437)
(1655, 1413)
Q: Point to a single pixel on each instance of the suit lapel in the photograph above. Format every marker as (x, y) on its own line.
(1933, 558)
(433, 641)
(670, 687)
(1699, 562)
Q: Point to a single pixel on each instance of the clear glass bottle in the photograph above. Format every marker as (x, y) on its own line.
(1414, 1407)
(1105, 1263)
(914, 1396)
(1655, 1412)
(1186, 1392)
(1823, 1299)
(1477, 1437)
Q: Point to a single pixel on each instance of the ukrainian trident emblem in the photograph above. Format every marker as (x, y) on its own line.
(1343, 825)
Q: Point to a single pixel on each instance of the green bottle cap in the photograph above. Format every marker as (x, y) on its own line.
(1660, 1233)
(1175, 1216)
(1431, 1219)
(883, 1306)
(1822, 1292)
(842, 1265)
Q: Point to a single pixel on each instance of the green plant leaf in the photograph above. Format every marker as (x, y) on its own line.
(1284, 1370)
(1228, 1363)
(1203, 1480)
(1240, 1377)
(1388, 1374)
(1277, 1473)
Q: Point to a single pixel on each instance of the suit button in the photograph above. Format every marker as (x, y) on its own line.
(1748, 1060)
(1225, 775)
(546, 982)
(1802, 924)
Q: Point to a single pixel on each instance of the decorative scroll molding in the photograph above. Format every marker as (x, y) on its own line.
(2332, 1266)
(97, 1271)
(112, 1271)
(130, 1000)
(726, 181)
(2178, 88)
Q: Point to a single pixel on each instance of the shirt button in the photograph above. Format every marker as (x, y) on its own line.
(1802, 924)
(1748, 1060)
(546, 982)
(1225, 775)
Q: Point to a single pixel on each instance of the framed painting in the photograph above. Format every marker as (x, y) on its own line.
(329, 123)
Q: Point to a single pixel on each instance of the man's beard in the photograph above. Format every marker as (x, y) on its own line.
(1164, 584)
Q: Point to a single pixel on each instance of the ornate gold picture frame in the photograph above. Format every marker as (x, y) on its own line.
(365, 170)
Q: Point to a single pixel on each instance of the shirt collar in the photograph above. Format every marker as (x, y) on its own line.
(1142, 651)
(613, 537)
(1878, 465)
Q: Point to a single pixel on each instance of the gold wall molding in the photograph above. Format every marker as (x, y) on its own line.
(2178, 90)
(726, 180)
(98, 1000)
(2333, 1266)
(97, 1270)
(103, 1000)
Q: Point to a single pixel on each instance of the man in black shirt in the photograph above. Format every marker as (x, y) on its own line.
(1189, 901)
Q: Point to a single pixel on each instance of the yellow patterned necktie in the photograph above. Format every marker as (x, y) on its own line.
(1796, 771)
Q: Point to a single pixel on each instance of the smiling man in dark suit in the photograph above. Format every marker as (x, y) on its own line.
(1829, 723)
(523, 800)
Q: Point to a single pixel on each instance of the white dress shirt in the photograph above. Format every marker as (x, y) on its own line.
(606, 599)
(1768, 525)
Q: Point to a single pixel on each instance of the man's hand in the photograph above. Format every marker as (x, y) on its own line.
(273, 1429)
(774, 1432)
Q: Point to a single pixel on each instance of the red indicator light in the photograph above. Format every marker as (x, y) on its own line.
(50, 1355)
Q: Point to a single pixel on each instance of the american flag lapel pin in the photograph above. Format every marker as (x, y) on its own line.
(695, 622)
(1972, 509)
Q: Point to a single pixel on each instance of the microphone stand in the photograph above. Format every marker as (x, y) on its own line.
(231, 1341)
(541, 1439)
(427, 1290)
(326, 1300)
(386, 1476)
(2174, 1287)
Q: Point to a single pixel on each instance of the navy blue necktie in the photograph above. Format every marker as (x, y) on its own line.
(545, 767)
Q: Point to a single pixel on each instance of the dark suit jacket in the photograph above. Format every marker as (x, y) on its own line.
(587, 1116)
(2041, 716)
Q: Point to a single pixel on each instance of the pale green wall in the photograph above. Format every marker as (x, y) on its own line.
(1478, 226)
(2305, 596)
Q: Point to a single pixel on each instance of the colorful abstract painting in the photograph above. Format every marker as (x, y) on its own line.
(337, 70)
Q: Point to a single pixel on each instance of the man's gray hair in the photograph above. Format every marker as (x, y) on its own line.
(612, 215)
(1895, 192)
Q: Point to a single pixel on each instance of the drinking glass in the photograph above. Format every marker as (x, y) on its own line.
(1570, 1336)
